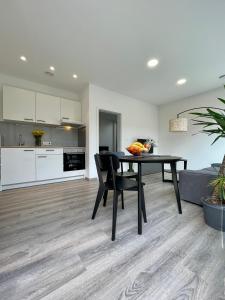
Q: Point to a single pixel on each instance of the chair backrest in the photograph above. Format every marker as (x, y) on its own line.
(99, 168)
(107, 162)
(105, 159)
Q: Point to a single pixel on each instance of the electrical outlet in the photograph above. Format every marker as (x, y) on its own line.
(47, 143)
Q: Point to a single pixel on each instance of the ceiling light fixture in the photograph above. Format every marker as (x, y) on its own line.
(23, 58)
(152, 63)
(52, 68)
(75, 76)
(181, 81)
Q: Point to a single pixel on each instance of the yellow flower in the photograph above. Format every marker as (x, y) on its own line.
(38, 132)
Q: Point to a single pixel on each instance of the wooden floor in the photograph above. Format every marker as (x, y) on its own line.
(51, 249)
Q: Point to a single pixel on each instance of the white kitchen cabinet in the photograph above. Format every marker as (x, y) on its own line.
(70, 111)
(77, 111)
(18, 104)
(47, 109)
(49, 165)
(17, 165)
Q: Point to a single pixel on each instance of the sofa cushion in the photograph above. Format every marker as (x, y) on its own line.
(209, 170)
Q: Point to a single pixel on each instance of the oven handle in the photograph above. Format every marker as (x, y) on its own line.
(73, 153)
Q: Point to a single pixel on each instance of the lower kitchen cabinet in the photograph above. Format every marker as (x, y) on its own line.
(22, 167)
(17, 165)
(49, 166)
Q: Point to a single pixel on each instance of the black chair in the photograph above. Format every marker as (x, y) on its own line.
(116, 183)
(122, 173)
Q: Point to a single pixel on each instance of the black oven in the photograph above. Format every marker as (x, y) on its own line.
(73, 159)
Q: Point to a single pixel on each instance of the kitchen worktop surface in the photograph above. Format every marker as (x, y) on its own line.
(40, 147)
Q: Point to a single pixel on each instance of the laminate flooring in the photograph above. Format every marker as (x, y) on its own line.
(51, 249)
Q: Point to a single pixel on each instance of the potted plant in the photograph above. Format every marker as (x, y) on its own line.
(213, 122)
(38, 133)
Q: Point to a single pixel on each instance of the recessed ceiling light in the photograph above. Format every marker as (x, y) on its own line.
(152, 63)
(52, 68)
(23, 58)
(181, 81)
(75, 76)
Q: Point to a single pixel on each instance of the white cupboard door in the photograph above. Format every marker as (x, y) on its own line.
(77, 111)
(67, 110)
(17, 165)
(18, 104)
(49, 166)
(70, 111)
(47, 109)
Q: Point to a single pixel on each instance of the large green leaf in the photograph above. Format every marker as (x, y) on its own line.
(211, 121)
(222, 100)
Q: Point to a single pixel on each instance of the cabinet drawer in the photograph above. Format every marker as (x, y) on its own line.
(49, 151)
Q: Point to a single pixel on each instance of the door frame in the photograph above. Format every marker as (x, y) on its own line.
(119, 127)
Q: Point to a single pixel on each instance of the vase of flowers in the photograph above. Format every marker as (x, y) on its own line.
(38, 133)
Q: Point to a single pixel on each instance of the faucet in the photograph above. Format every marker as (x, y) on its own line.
(21, 143)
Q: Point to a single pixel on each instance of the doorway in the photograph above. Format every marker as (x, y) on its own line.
(109, 131)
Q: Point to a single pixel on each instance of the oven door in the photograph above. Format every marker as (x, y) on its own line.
(73, 161)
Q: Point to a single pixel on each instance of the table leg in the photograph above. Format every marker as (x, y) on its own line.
(130, 167)
(175, 184)
(139, 200)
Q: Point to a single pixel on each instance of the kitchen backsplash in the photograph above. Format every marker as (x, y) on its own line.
(58, 136)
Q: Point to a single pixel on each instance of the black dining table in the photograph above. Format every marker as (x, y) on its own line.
(163, 159)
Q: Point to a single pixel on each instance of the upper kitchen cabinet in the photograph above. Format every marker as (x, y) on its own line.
(47, 109)
(18, 104)
(70, 111)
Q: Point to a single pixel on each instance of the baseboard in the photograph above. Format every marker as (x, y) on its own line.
(35, 183)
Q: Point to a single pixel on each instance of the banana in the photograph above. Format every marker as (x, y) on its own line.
(138, 144)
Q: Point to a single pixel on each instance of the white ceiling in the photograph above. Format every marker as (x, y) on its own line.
(108, 42)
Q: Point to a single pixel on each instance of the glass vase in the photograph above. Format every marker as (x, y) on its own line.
(37, 141)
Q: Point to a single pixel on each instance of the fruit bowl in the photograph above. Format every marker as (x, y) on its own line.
(137, 149)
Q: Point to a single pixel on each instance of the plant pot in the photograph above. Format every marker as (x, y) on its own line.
(151, 150)
(214, 215)
(37, 141)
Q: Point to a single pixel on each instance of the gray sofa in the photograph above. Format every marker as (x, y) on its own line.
(194, 185)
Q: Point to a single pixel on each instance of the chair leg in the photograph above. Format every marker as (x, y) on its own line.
(97, 201)
(115, 203)
(105, 197)
(122, 199)
(143, 205)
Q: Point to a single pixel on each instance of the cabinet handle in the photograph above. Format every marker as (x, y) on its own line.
(64, 118)
(28, 119)
(26, 150)
(42, 156)
(42, 121)
(49, 150)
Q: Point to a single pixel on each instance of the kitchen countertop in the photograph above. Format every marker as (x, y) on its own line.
(31, 147)
(38, 147)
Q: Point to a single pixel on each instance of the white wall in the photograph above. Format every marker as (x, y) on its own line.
(30, 85)
(138, 119)
(196, 148)
(85, 119)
